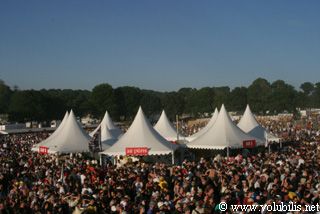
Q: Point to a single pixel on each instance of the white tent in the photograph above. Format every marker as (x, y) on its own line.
(71, 139)
(107, 123)
(250, 125)
(141, 135)
(224, 133)
(108, 138)
(206, 128)
(56, 132)
(165, 128)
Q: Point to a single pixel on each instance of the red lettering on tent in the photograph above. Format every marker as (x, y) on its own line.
(249, 144)
(138, 151)
(43, 150)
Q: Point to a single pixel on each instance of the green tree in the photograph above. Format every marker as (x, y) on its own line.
(173, 104)
(5, 94)
(301, 100)
(27, 105)
(282, 97)
(187, 94)
(81, 103)
(127, 101)
(316, 95)
(102, 99)
(150, 103)
(307, 88)
(221, 96)
(202, 101)
(191, 106)
(50, 104)
(205, 100)
(238, 99)
(259, 93)
(55, 105)
(306, 100)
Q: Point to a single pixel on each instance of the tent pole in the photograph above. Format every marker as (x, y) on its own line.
(99, 140)
(177, 121)
(172, 156)
(228, 152)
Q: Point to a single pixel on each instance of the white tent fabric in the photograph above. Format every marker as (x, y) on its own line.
(166, 129)
(224, 133)
(250, 125)
(56, 132)
(206, 128)
(71, 139)
(108, 138)
(141, 134)
(107, 123)
(107, 144)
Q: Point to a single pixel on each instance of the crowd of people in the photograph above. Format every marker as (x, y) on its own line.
(75, 183)
(306, 129)
(190, 128)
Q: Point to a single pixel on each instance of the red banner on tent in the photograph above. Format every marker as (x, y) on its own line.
(247, 144)
(139, 151)
(43, 150)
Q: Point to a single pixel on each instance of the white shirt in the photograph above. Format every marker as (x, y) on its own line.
(82, 178)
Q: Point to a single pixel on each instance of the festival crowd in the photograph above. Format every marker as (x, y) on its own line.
(48, 184)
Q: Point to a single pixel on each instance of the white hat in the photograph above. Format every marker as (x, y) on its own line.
(123, 203)
(160, 204)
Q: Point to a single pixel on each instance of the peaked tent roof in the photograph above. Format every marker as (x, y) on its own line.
(224, 133)
(56, 132)
(165, 128)
(107, 123)
(141, 134)
(248, 121)
(107, 144)
(250, 125)
(72, 138)
(107, 138)
(206, 128)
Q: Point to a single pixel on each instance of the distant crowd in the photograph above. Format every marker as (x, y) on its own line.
(34, 183)
(286, 128)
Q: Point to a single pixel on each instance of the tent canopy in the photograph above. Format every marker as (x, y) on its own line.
(250, 125)
(248, 121)
(108, 138)
(71, 139)
(224, 133)
(52, 136)
(141, 135)
(107, 123)
(166, 129)
(206, 128)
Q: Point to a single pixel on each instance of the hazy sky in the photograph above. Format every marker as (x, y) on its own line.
(158, 44)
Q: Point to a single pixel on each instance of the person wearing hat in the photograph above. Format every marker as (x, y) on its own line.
(199, 209)
(152, 207)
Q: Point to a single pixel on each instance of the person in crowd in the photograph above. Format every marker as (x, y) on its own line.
(35, 183)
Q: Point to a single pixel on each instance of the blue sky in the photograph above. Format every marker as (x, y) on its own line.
(162, 45)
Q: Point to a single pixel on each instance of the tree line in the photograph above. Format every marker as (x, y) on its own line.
(123, 102)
